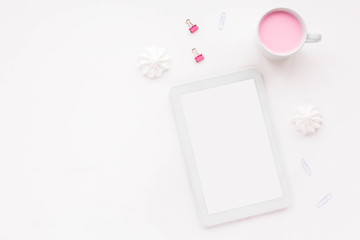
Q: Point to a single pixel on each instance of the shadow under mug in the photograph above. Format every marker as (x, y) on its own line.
(306, 37)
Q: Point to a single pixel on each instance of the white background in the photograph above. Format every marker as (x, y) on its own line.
(89, 148)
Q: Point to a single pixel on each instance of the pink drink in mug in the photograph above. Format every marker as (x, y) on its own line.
(282, 32)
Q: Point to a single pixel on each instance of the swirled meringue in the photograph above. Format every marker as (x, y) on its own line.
(308, 119)
(153, 62)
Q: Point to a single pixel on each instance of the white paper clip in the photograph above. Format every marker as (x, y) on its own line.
(324, 200)
(222, 20)
(306, 167)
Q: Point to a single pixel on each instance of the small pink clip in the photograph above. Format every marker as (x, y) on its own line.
(198, 57)
(192, 28)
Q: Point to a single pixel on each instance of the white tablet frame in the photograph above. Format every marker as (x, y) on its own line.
(242, 212)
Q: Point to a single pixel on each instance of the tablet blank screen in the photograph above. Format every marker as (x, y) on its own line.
(231, 146)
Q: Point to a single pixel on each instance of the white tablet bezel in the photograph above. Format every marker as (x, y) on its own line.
(242, 212)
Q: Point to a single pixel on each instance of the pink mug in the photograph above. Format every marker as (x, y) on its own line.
(282, 32)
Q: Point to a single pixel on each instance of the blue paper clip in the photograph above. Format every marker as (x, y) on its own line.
(324, 200)
(222, 20)
(306, 167)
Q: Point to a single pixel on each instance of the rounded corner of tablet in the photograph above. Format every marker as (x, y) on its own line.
(256, 73)
(174, 91)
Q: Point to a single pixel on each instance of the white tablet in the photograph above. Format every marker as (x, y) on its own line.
(230, 148)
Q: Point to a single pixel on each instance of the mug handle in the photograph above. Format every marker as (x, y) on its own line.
(312, 38)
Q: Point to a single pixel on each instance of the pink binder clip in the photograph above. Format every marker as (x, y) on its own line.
(198, 57)
(192, 28)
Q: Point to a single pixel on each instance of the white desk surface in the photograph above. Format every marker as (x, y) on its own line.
(89, 148)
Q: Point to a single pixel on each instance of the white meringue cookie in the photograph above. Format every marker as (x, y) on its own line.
(153, 62)
(308, 119)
